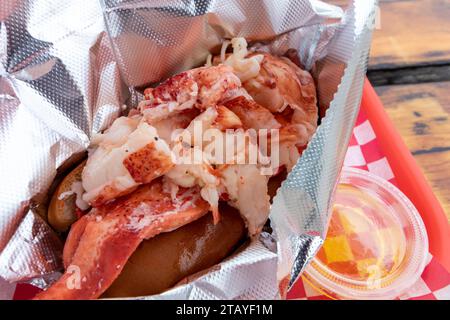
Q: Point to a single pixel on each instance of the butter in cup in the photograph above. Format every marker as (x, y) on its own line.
(376, 246)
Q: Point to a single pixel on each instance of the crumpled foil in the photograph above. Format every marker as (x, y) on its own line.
(67, 67)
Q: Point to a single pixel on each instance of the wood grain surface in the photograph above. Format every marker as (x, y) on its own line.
(411, 43)
(412, 33)
(421, 113)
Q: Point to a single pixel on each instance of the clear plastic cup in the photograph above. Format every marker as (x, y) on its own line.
(376, 246)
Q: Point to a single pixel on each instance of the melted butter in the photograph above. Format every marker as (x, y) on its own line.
(363, 242)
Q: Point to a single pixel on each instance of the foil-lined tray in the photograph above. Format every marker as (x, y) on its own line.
(68, 67)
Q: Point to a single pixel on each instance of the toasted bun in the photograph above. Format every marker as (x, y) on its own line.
(161, 262)
(61, 210)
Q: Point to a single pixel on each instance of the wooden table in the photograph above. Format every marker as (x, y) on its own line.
(410, 68)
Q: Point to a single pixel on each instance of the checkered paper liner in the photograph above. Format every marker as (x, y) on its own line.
(365, 153)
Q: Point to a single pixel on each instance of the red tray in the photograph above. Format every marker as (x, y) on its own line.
(409, 176)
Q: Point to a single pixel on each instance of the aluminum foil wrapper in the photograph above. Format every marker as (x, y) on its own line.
(67, 68)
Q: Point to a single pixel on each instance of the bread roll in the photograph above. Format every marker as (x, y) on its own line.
(161, 262)
(61, 211)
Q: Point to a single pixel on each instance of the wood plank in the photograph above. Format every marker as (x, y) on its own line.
(421, 113)
(412, 33)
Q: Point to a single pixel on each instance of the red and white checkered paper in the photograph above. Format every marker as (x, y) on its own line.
(365, 153)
